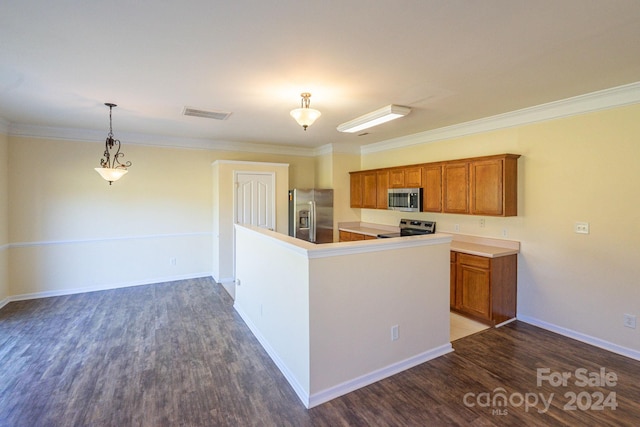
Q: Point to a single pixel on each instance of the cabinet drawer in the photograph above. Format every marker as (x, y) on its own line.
(474, 260)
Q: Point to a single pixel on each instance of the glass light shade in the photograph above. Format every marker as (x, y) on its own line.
(110, 174)
(305, 116)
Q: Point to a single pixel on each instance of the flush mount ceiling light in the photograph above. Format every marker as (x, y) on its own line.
(304, 115)
(111, 169)
(374, 118)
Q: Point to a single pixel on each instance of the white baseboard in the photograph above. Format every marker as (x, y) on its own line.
(303, 394)
(61, 292)
(309, 401)
(579, 336)
(377, 375)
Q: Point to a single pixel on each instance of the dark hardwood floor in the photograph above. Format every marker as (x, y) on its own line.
(176, 354)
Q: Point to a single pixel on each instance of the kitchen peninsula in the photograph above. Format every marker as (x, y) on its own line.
(483, 279)
(340, 316)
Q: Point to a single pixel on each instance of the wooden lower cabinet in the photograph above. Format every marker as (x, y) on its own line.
(350, 236)
(484, 288)
(452, 294)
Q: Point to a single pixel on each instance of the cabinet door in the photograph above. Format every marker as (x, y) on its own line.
(413, 177)
(356, 190)
(382, 187)
(369, 190)
(452, 281)
(473, 286)
(432, 194)
(487, 187)
(455, 177)
(396, 178)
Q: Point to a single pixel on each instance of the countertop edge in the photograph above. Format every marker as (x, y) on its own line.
(459, 243)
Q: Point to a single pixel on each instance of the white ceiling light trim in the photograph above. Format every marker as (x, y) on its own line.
(374, 118)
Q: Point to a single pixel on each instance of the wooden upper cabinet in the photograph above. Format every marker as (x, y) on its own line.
(455, 187)
(356, 189)
(363, 189)
(413, 177)
(478, 186)
(432, 193)
(382, 187)
(410, 177)
(369, 190)
(493, 186)
(396, 178)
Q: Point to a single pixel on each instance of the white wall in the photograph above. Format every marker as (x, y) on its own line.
(324, 312)
(4, 218)
(579, 168)
(69, 230)
(273, 298)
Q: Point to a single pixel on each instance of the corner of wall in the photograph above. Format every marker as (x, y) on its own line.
(4, 218)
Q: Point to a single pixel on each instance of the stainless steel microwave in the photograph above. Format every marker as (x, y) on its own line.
(405, 199)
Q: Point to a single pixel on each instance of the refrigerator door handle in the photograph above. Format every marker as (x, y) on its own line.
(312, 221)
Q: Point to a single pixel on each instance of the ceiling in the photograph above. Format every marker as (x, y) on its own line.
(450, 61)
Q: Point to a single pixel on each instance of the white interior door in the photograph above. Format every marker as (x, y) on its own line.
(254, 202)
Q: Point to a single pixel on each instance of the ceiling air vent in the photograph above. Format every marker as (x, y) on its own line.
(216, 115)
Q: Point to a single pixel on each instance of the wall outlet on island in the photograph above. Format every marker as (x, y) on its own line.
(630, 321)
(394, 333)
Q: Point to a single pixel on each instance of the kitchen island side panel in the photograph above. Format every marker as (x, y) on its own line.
(356, 300)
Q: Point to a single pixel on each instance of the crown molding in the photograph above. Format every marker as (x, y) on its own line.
(596, 101)
(90, 135)
(333, 148)
(619, 96)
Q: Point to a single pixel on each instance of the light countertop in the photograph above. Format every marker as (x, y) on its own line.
(474, 245)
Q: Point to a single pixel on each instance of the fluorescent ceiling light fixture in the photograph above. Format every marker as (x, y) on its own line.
(374, 118)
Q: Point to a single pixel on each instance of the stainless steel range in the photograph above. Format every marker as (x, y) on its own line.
(412, 227)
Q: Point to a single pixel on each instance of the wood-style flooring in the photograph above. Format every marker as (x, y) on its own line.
(177, 354)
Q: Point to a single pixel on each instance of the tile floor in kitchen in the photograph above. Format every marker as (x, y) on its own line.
(462, 326)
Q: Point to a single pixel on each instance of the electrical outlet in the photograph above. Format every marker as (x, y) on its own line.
(456, 227)
(173, 261)
(630, 321)
(505, 232)
(481, 222)
(394, 333)
(581, 227)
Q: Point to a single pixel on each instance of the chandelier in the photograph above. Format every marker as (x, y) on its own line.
(110, 167)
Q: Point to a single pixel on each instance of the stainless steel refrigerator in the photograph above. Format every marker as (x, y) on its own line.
(311, 214)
